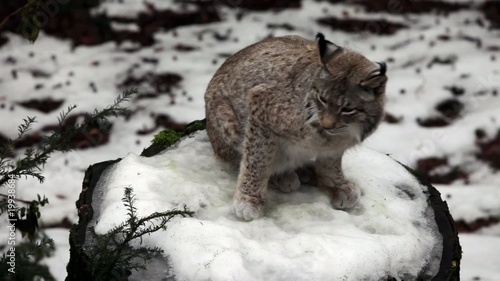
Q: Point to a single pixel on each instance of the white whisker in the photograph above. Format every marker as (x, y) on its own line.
(337, 131)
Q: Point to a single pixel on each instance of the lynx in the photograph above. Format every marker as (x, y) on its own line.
(287, 102)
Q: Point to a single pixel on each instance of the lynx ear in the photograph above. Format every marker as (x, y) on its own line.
(375, 79)
(327, 50)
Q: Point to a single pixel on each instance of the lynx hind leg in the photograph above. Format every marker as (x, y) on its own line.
(343, 193)
(223, 129)
(307, 175)
(286, 182)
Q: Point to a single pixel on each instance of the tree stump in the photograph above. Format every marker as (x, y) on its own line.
(401, 230)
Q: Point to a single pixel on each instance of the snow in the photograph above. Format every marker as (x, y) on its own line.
(58, 268)
(391, 232)
(470, 203)
(480, 258)
(405, 141)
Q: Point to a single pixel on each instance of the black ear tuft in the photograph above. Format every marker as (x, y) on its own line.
(327, 50)
(321, 43)
(383, 67)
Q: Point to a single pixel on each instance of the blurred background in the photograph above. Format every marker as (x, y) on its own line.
(443, 103)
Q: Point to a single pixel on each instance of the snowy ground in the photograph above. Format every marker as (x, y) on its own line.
(434, 64)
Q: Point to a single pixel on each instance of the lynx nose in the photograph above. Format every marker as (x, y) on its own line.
(327, 122)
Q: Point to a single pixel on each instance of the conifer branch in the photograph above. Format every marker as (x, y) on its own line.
(111, 254)
(60, 140)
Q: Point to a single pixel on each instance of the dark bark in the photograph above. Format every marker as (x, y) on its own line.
(78, 266)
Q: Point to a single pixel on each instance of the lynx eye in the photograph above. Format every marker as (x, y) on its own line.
(348, 111)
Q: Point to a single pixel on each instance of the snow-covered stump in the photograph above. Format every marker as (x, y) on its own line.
(401, 229)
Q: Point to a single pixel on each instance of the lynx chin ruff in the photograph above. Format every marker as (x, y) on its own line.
(286, 102)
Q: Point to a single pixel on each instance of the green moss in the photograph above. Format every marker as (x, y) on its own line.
(195, 126)
(166, 137)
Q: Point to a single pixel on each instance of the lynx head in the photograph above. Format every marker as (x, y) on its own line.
(347, 93)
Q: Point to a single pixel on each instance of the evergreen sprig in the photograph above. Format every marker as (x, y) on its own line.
(112, 257)
(30, 252)
(60, 140)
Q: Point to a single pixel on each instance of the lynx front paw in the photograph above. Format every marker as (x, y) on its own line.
(286, 182)
(247, 207)
(344, 196)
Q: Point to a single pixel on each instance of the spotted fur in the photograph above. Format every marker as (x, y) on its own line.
(286, 102)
